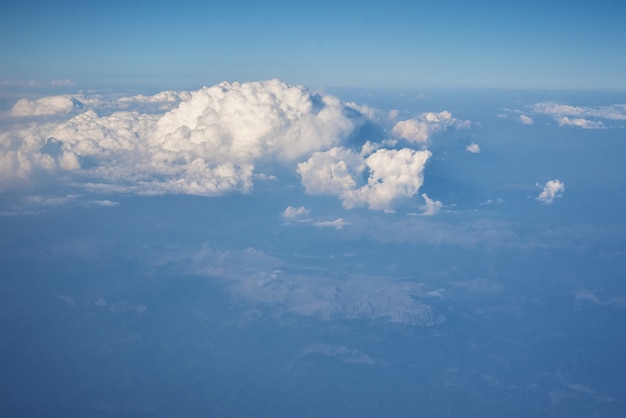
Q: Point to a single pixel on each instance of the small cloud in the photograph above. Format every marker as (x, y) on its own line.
(431, 207)
(338, 223)
(587, 295)
(473, 148)
(435, 293)
(124, 307)
(422, 127)
(526, 120)
(553, 189)
(292, 214)
(580, 123)
(492, 202)
(103, 203)
(502, 115)
(68, 300)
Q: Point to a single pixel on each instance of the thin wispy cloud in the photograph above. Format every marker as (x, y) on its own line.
(586, 117)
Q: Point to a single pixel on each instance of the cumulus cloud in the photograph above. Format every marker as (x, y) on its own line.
(526, 120)
(391, 175)
(45, 106)
(422, 127)
(473, 148)
(553, 189)
(292, 214)
(430, 207)
(206, 142)
(213, 140)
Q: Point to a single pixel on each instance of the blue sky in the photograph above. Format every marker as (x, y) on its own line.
(535, 44)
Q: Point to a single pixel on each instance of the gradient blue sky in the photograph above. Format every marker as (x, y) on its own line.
(532, 44)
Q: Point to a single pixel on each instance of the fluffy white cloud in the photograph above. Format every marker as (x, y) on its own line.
(391, 175)
(473, 148)
(421, 128)
(207, 144)
(331, 172)
(553, 189)
(526, 120)
(292, 214)
(430, 207)
(45, 106)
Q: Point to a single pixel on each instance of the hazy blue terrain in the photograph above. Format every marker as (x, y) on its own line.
(131, 290)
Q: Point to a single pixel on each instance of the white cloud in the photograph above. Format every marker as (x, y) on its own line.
(526, 120)
(338, 223)
(492, 202)
(391, 175)
(207, 144)
(612, 112)
(579, 122)
(473, 148)
(292, 214)
(103, 203)
(45, 106)
(421, 128)
(210, 141)
(553, 189)
(430, 207)
(586, 117)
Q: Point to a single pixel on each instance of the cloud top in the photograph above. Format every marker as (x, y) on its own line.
(391, 175)
(213, 140)
(207, 144)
